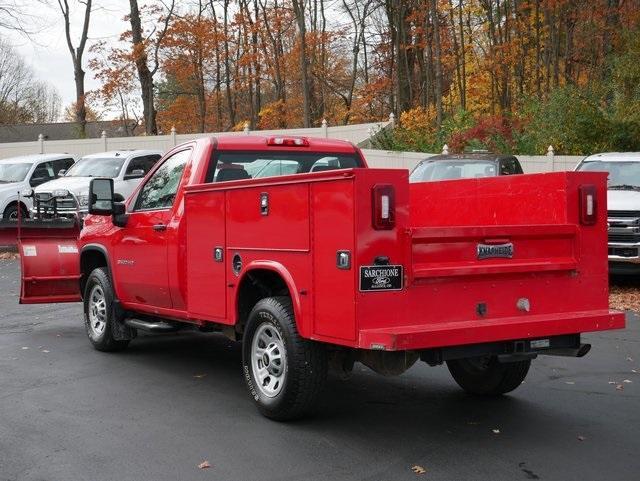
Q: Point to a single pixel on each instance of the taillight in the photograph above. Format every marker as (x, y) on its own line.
(289, 141)
(384, 207)
(588, 204)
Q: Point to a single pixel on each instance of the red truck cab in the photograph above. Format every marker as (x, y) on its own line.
(295, 247)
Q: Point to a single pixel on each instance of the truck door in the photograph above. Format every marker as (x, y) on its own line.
(140, 263)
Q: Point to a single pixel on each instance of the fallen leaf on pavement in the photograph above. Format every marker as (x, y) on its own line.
(418, 469)
(581, 438)
(204, 465)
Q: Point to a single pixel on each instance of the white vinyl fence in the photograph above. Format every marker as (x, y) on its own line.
(357, 134)
(530, 163)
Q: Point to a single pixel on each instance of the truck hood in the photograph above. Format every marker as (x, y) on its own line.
(623, 200)
(77, 185)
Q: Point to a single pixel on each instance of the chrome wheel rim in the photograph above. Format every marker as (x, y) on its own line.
(268, 360)
(97, 312)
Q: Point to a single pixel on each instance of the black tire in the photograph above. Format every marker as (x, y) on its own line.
(486, 376)
(304, 366)
(11, 212)
(101, 339)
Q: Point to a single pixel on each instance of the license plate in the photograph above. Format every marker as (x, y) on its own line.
(540, 344)
(381, 278)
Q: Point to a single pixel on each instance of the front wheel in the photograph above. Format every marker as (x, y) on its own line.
(11, 212)
(284, 373)
(487, 376)
(99, 313)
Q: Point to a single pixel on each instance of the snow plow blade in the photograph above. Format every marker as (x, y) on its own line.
(49, 260)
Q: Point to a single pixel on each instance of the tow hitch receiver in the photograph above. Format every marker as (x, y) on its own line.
(510, 351)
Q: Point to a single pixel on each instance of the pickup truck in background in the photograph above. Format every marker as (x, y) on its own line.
(623, 201)
(468, 165)
(21, 175)
(68, 195)
(332, 263)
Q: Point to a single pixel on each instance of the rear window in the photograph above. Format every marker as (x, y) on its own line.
(430, 170)
(254, 165)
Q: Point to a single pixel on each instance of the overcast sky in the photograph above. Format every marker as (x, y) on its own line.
(48, 54)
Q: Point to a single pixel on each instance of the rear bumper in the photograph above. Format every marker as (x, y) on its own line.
(481, 331)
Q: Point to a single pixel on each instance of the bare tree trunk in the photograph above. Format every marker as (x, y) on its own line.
(299, 10)
(145, 74)
(76, 56)
(227, 66)
(438, 61)
(463, 91)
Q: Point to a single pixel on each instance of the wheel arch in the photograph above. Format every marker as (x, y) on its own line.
(12, 202)
(93, 256)
(261, 279)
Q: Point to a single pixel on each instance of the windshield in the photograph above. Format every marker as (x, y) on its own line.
(96, 167)
(452, 169)
(622, 175)
(14, 172)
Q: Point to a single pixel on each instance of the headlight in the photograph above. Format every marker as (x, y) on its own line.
(60, 193)
(83, 200)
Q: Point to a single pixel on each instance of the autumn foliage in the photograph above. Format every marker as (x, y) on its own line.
(469, 73)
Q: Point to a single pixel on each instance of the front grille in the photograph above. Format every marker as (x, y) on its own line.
(624, 238)
(623, 213)
(68, 202)
(624, 226)
(45, 201)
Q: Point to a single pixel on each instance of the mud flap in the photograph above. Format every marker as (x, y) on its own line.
(50, 261)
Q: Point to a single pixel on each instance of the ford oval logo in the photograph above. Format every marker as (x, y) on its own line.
(381, 281)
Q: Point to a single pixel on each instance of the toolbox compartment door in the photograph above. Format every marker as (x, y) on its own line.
(50, 262)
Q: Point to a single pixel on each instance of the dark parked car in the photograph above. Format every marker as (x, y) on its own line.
(464, 166)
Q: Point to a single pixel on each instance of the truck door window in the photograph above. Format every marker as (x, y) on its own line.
(160, 190)
(144, 163)
(509, 167)
(42, 173)
(253, 165)
(62, 164)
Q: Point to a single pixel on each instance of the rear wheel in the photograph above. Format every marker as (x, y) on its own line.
(98, 312)
(11, 212)
(486, 376)
(283, 372)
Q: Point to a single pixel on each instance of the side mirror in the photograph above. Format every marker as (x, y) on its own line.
(134, 174)
(101, 197)
(61, 172)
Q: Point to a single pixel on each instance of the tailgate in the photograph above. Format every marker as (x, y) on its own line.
(497, 259)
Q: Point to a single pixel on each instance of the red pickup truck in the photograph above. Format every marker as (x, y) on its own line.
(296, 248)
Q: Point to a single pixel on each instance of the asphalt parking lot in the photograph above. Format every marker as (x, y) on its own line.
(159, 409)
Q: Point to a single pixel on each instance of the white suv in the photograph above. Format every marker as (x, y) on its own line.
(71, 191)
(21, 174)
